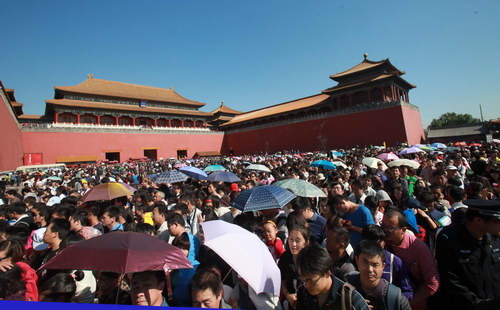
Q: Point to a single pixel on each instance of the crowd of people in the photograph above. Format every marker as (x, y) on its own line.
(382, 237)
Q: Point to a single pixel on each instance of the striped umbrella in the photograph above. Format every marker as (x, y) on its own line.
(170, 177)
(262, 198)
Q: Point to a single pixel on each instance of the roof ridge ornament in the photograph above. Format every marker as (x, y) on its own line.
(90, 76)
(221, 103)
(365, 56)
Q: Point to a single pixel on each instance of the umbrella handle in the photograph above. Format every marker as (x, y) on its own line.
(119, 288)
(227, 274)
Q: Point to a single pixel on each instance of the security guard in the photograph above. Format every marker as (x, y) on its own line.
(468, 257)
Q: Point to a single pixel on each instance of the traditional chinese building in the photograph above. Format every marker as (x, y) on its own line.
(101, 119)
(369, 105)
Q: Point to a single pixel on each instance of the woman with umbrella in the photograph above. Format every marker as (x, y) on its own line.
(182, 277)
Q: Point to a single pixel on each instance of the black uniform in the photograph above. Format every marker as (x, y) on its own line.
(469, 269)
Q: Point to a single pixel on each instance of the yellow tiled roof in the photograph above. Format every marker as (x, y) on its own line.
(126, 90)
(122, 107)
(279, 108)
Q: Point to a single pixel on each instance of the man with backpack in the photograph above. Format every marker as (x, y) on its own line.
(381, 294)
(320, 289)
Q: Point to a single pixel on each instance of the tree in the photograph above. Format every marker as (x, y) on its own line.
(453, 119)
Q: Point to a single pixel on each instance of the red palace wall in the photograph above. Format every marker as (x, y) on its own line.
(391, 125)
(10, 137)
(130, 145)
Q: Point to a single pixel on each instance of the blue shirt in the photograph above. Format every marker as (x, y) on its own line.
(317, 225)
(360, 218)
(117, 227)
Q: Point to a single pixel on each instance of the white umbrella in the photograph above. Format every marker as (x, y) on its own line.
(404, 162)
(245, 253)
(339, 163)
(257, 167)
(373, 162)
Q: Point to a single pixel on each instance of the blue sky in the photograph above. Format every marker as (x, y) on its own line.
(252, 54)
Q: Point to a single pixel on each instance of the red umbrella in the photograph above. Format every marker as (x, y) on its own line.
(460, 144)
(475, 144)
(120, 252)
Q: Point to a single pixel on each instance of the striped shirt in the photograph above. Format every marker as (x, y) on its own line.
(420, 262)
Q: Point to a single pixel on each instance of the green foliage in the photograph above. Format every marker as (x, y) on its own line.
(453, 119)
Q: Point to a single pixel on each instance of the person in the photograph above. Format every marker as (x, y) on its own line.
(316, 222)
(415, 253)
(80, 225)
(468, 257)
(180, 278)
(337, 241)
(12, 254)
(11, 286)
(395, 270)
(273, 243)
(194, 214)
(55, 233)
(176, 227)
(22, 218)
(298, 238)
(355, 217)
(358, 192)
(207, 290)
(110, 219)
(382, 295)
(59, 288)
(321, 289)
(159, 217)
(146, 289)
(109, 286)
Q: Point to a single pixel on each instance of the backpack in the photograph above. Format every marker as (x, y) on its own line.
(346, 296)
(393, 297)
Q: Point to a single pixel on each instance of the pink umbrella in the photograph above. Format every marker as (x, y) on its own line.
(387, 156)
(179, 165)
(120, 252)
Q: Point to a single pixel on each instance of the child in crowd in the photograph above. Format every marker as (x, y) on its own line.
(274, 244)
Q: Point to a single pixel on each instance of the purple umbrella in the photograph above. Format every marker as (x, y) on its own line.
(411, 150)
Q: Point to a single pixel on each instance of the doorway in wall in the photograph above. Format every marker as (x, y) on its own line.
(151, 154)
(181, 154)
(113, 156)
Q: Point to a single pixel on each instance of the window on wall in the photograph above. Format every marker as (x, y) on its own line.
(162, 122)
(67, 118)
(125, 121)
(107, 120)
(88, 119)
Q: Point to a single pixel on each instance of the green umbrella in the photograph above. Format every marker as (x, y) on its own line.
(301, 188)
(427, 148)
(55, 178)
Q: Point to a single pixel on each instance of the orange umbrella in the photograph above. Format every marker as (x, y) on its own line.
(106, 191)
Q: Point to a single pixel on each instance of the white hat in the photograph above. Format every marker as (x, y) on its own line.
(321, 176)
(451, 167)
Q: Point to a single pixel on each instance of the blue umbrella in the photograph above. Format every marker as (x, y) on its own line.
(212, 168)
(223, 176)
(338, 154)
(262, 198)
(170, 177)
(153, 176)
(194, 172)
(325, 164)
(438, 145)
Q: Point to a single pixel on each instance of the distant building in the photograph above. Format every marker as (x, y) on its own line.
(101, 119)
